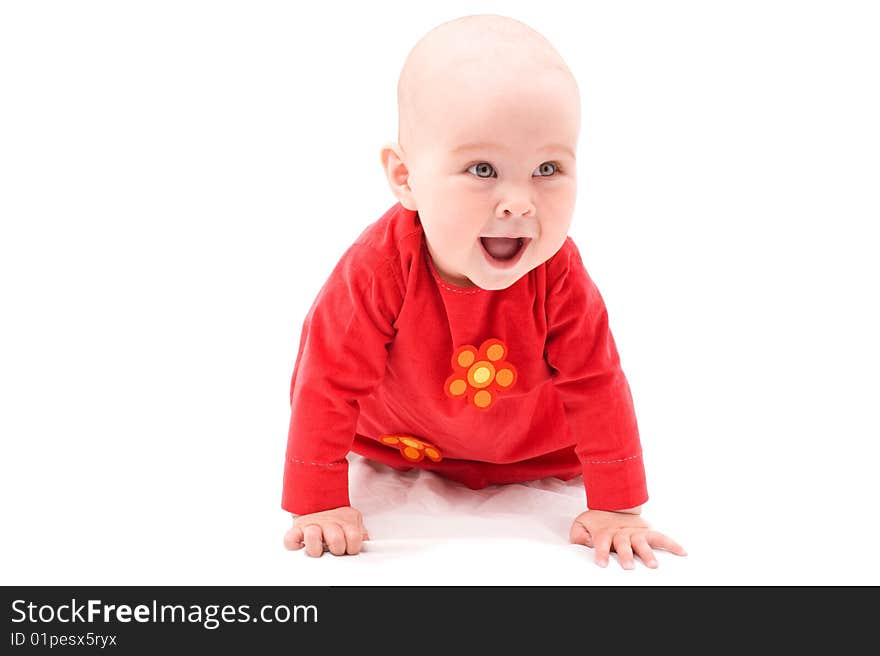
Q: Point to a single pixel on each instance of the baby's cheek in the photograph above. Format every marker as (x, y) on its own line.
(456, 240)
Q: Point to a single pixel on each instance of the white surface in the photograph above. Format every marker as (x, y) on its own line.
(423, 527)
(177, 180)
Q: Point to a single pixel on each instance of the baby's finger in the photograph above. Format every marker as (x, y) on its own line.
(660, 541)
(313, 538)
(354, 537)
(643, 549)
(602, 544)
(580, 535)
(334, 537)
(624, 551)
(293, 539)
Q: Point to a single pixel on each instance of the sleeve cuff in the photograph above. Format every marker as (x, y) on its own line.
(615, 484)
(313, 487)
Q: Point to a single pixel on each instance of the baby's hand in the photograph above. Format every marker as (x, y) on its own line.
(625, 532)
(341, 530)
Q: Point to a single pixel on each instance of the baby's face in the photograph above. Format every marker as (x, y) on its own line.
(496, 163)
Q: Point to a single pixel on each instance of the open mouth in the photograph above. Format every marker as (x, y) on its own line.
(504, 252)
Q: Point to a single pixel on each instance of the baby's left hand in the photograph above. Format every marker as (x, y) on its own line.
(625, 532)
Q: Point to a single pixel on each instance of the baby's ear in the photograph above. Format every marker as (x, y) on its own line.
(398, 175)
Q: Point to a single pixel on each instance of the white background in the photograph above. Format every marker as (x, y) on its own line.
(177, 180)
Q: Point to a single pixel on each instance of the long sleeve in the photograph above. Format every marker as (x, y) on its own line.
(595, 393)
(342, 357)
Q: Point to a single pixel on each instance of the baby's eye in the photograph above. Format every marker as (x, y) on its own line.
(485, 167)
(553, 168)
(546, 170)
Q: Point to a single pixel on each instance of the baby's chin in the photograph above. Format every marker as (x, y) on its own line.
(497, 280)
(494, 287)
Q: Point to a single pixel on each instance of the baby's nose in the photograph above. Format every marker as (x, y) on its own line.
(518, 208)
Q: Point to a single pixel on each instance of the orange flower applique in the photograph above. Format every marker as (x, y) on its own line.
(411, 448)
(480, 374)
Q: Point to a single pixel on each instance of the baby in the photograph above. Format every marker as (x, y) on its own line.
(461, 333)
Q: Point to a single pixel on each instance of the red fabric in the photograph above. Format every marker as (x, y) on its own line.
(376, 354)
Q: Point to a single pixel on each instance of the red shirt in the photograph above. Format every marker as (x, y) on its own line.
(480, 386)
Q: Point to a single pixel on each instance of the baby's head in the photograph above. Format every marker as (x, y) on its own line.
(489, 117)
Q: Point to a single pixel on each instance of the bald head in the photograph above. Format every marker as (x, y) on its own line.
(476, 57)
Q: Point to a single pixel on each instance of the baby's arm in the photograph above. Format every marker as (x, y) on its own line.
(342, 530)
(587, 374)
(342, 356)
(586, 371)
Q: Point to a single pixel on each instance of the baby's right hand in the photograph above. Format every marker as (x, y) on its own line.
(341, 529)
